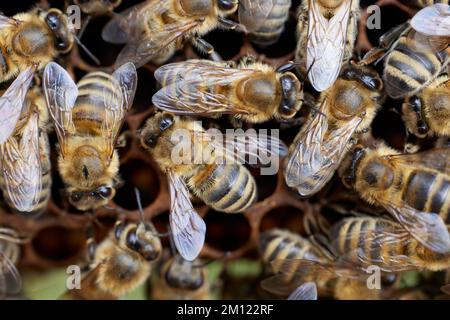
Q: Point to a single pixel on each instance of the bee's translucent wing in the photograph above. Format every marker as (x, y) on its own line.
(21, 167)
(188, 228)
(433, 20)
(6, 22)
(12, 101)
(117, 99)
(193, 88)
(10, 280)
(317, 152)
(120, 28)
(307, 291)
(436, 159)
(248, 147)
(253, 13)
(326, 44)
(60, 94)
(426, 227)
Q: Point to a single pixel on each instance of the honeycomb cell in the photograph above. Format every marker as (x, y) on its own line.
(285, 217)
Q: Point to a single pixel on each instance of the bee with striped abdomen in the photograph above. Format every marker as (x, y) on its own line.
(25, 177)
(10, 280)
(252, 92)
(296, 260)
(413, 188)
(384, 243)
(226, 186)
(87, 121)
(180, 279)
(121, 262)
(412, 59)
(155, 29)
(428, 112)
(264, 20)
(348, 107)
(326, 33)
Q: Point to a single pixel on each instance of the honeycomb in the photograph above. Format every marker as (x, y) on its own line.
(58, 237)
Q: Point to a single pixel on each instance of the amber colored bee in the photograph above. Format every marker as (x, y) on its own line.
(385, 243)
(326, 32)
(87, 121)
(32, 38)
(225, 186)
(121, 262)
(428, 112)
(296, 260)
(412, 60)
(25, 177)
(10, 280)
(180, 279)
(155, 29)
(252, 92)
(413, 188)
(347, 108)
(264, 20)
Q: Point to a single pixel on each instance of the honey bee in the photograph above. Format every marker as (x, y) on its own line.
(348, 107)
(32, 38)
(254, 92)
(226, 186)
(155, 29)
(391, 247)
(326, 34)
(97, 7)
(87, 121)
(264, 20)
(412, 59)
(25, 177)
(413, 188)
(121, 262)
(296, 260)
(428, 113)
(180, 279)
(10, 280)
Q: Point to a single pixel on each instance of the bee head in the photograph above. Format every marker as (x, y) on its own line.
(62, 33)
(291, 94)
(351, 166)
(182, 274)
(154, 127)
(367, 76)
(140, 238)
(96, 198)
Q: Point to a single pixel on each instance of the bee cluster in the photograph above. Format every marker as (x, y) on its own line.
(365, 180)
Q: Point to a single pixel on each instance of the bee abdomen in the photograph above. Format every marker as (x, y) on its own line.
(408, 70)
(230, 188)
(271, 30)
(95, 90)
(280, 244)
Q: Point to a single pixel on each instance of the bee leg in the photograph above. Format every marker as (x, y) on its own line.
(247, 59)
(122, 139)
(411, 143)
(236, 122)
(229, 24)
(206, 48)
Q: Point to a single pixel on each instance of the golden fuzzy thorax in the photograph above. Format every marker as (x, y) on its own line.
(371, 194)
(120, 270)
(101, 169)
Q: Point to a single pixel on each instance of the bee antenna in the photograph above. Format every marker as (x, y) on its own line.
(139, 203)
(83, 28)
(89, 53)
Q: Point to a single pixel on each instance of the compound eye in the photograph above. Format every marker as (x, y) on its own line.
(415, 103)
(105, 192)
(348, 74)
(52, 20)
(375, 84)
(287, 110)
(132, 240)
(227, 5)
(166, 122)
(76, 197)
